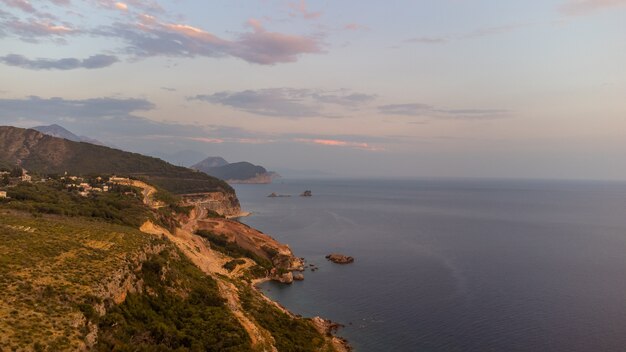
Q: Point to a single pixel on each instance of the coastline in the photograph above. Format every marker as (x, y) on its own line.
(325, 327)
(211, 263)
(241, 214)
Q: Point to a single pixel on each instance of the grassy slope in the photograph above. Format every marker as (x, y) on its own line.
(51, 155)
(48, 267)
(53, 269)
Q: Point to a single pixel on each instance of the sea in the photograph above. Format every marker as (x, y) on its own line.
(455, 265)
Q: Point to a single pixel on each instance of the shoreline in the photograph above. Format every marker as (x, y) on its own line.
(241, 214)
(324, 326)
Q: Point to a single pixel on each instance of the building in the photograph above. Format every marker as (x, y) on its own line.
(3, 194)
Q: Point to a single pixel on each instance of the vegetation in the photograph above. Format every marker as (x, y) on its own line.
(51, 155)
(121, 205)
(291, 334)
(182, 311)
(235, 171)
(51, 268)
(222, 244)
(232, 264)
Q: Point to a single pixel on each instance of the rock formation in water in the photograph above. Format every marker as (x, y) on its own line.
(340, 258)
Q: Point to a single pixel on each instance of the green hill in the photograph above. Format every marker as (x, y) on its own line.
(43, 154)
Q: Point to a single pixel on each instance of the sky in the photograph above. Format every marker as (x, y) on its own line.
(398, 88)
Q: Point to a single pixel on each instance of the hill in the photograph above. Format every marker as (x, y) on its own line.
(44, 154)
(61, 132)
(181, 158)
(240, 172)
(76, 274)
(212, 161)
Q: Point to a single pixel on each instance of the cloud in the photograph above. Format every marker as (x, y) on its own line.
(20, 4)
(423, 110)
(145, 35)
(150, 6)
(427, 40)
(286, 102)
(150, 37)
(581, 7)
(34, 28)
(92, 62)
(346, 99)
(300, 8)
(355, 27)
(337, 143)
(268, 48)
(277, 102)
(35, 107)
(121, 6)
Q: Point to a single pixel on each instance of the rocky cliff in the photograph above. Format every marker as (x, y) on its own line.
(222, 203)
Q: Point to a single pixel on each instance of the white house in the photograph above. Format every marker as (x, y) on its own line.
(3, 194)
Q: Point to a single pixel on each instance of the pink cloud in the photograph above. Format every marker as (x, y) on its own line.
(300, 9)
(35, 28)
(337, 143)
(581, 7)
(143, 5)
(23, 5)
(268, 48)
(176, 39)
(121, 6)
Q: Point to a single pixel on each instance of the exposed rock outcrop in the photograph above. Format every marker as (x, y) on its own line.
(282, 277)
(340, 258)
(329, 328)
(222, 203)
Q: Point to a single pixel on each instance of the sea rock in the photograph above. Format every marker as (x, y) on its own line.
(340, 258)
(274, 195)
(285, 278)
(298, 277)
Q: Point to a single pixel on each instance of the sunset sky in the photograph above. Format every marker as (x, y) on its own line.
(452, 88)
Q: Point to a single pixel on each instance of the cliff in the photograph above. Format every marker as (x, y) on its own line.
(225, 204)
(81, 282)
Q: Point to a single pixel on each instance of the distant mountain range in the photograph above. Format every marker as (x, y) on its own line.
(44, 154)
(60, 132)
(181, 158)
(240, 172)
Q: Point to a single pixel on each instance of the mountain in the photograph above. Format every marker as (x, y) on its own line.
(182, 158)
(61, 132)
(212, 161)
(240, 172)
(44, 154)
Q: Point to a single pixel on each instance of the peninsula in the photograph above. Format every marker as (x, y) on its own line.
(93, 261)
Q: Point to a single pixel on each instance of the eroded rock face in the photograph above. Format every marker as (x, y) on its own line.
(285, 278)
(340, 258)
(223, 203)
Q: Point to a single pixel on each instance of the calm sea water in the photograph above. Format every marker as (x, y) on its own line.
(456, 265)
